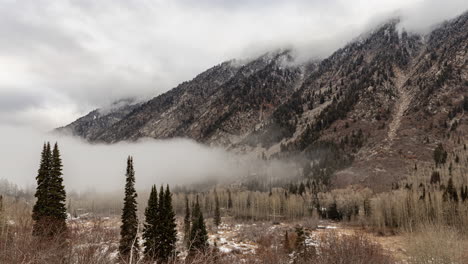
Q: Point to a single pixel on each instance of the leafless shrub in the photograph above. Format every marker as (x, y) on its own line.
(352, 249)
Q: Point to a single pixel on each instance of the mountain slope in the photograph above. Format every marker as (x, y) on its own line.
(99, 120)
(369, 112)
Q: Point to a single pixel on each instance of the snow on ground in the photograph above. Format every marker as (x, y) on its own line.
(241, 238)
(227, 240)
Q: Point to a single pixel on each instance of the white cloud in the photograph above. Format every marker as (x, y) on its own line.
(78, 55)
(101, 167)
(61, 59)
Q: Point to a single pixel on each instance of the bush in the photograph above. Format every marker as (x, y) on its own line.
(344, 249)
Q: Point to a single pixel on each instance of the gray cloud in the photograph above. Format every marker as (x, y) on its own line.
(60, 59)
(72, 56)
(11, 101)
(101, 167)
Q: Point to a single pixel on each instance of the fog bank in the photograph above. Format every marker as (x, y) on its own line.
(101, 167)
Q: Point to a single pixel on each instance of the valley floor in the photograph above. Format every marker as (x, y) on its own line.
(242, 241)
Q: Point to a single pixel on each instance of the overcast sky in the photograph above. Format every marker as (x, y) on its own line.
(61, 59)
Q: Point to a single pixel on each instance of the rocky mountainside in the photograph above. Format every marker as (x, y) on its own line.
(367, 114)
(97, 121)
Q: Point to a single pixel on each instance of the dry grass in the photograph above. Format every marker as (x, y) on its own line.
(344, 249)
(438, 245)
(84, 243)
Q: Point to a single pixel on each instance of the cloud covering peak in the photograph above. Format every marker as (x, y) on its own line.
(60, 59)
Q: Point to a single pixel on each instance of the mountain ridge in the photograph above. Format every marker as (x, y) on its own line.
(376, 101)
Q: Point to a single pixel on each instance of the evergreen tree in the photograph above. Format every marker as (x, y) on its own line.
(464, 193)
(150, 231)
(302, 252)
(168, 228)
(217, 212)
(198, 235)
(451, 192)
(333, 213)
(301, 190)
(187, 222)
(129, 228)
(40, 210)
(49, 211)
(159, 247)
(56, 194)
(435, 177)
(440, 155)
(300, 239)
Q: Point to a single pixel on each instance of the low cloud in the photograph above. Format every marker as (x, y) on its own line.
(73, 56)
(101, 167)
(423, 16)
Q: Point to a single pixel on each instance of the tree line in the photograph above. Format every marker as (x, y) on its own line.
(159, 231)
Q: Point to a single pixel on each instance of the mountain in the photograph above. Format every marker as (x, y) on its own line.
(367, 114)
(99, 120)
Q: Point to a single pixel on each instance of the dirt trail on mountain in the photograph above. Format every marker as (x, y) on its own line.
(404, 100)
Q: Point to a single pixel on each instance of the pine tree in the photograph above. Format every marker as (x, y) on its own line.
(217, 212)
(49, 211)
(300, 239)
(333, 213)
(464, 193)
(168, 228)
(129, 228)
(440, 155)
(451, 191)
(56, 194)
(198, 235)
(150, 231)
(159, 247)
(302, 253)
(301, 190)
(187, 222)
(40, 211)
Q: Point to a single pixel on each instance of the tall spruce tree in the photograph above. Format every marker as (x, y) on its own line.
(187, 222)
(198, 235)
(40, 210)
(57, 196)
(159, 247)
(217, 212)
(160, 232)
(168, 228)
(128, 230)
(49, 211)
(150, 231)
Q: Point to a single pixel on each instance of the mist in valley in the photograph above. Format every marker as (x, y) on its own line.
(101, 167)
